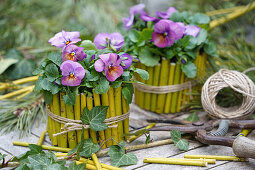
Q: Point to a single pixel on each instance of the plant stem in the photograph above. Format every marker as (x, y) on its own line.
(56, 111)
(177, 76)
(77, 115)
(83, 105)
(180, 94)
(141, 94)
(125, 109)
(63, 137)
(41, 138)
(53, 127)
(147, 96)
(170, 82)
(113, 114)
(118, 111)
(155, 83)
(132, 138)
(72, 141)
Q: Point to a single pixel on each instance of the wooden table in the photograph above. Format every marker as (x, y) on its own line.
(137, 120)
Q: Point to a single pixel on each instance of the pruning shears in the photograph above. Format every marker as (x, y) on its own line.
(242, 146)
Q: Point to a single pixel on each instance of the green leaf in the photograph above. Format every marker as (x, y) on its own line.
(192, 117)
(2, 156)
(23, 167)
(147, 58)
(200, 18)
(47, 97)
(170, 54)
(95, 117)
(127, 92)
(189, 69)
(211, 49)
(146, 34)
(70, 97)
(201, 37)
(88, 45)
(142, 73)
(88, 148)
(6, 63)
(55, 57)
(116, 84)
(102, 86)
(56, 166)
(35, 148)
(119, 158)
(51, 71)
(133, 35)
(182, 145)
(175, 135)
(14, 54)
(73, 166)
(148, 138)
(176, 17)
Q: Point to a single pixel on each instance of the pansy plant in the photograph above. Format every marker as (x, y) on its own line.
(170, 34)
(86, 67)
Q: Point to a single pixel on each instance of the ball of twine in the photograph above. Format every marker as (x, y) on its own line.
(237, 81)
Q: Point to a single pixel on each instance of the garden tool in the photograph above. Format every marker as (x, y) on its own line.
(242, 146)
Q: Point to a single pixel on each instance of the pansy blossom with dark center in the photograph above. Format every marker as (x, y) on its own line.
(167, 14)
(110, 64)
(105, 40)
(73, 52)
(72, 72)
(63, 39)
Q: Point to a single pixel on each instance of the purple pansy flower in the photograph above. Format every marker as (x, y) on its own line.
(72, 72)
(146, 17)
(114, 40)
(110, 64)
(163, 35)
(167, 14)
(192, 30)
(137, 9)
(63, 38)
(73, 52)
(126, 60)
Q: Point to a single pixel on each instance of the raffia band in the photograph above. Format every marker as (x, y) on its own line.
(71, 125)
(166, 89)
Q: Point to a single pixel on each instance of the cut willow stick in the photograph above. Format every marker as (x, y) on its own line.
(97, 102)
(217, 157)
(49, 127)
(103, 165)
(83, 105)
(54, 140)
(175, 162)
(180, 94)
(164, 71)
(186, 93)
(89, 166)
(170, 82)
(125, 109)
(141, 94)
(93, 134)
(155, 83)
(223, 11)
(177, 76)
(71, 135)
(113, 114)
(17, 92)
(56, 111)
(139, 147)
(147, 96)
(40, 141)
(132, 138)
(118, 111)
(46, 147)
(23, 95)
(77, 114)
(108, 131)
(63, 137)
(137, 92)
(209, 161)
(96, 161)
(17, 82)
(232, 15)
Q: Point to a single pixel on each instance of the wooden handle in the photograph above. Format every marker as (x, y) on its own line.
(244, 147)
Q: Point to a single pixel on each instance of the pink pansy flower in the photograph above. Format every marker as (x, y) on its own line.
(73, 52)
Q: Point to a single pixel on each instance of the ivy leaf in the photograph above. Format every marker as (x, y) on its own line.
(127, 92)
(5, 63)
(88, 45)
(147, 58)
(182, 145)
(55, 57)
(23, 167)
(142, 73)
(175, 135)
(56, 166)
(193, 117)
(102, 86)
(70, 97)
(51, 72)
(189, 69)
(2, 156)
(34, 149)
(73, 166)
(119, 158)
(95, 117)
(88, 148)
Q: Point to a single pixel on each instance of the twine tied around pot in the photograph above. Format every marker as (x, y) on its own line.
(238, 82)
(71, 125)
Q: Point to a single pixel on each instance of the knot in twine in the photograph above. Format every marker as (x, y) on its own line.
(71, 125)
(238, 82)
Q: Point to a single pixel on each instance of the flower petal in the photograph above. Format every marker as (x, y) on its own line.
(113, 73)
(67, 67)
(162, 26)
(100, 40)
(136, 9)
(113, 60)
(162, 41)
(67, 56)
(128, 22)
(68, 81)
(178, 28)
(146, 17)
(167, 14)
(127, 60)
(79, 72)
(192, 30)
(105, 57)
(80, 54)
(99, 65)
(117, 40)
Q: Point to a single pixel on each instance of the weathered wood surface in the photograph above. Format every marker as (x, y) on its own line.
(137, 120)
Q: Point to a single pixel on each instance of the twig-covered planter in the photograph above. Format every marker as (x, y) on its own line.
(176, 89)
(117, 107)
